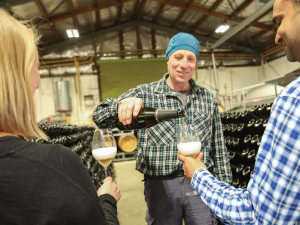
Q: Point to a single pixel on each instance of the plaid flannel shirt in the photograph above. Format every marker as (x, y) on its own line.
(273, 192)
(157, 149)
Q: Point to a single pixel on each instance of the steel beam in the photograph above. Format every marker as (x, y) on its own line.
(243, 24)
(199, 37)
(74, 41)
(6, 3)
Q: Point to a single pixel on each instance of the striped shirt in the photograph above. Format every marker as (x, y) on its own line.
(273, 192)
(157, 148)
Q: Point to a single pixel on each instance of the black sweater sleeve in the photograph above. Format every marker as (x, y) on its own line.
(109, 205)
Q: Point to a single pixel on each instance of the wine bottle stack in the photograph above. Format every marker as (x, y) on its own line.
(243, 132)
(79, 140)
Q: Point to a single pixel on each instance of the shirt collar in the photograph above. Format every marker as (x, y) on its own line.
(162, 86)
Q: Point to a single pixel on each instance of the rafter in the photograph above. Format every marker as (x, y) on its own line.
(139, 9)
(243, 24)
(241, 8)
(205, 17)
(266, 44)
(272, 50)
(98, 17)
(182, 14)
(207, 12)
(255, 21)
(199, 37)
(121, 43)
(14, 3)
(139, 41)
(153, 41)
(43, 11)
(257, 36)
(119, 17)
(159, 13)
(151, 25)
(85, 10)
(75, 21)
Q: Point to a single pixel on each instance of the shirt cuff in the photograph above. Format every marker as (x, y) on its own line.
(200, 173)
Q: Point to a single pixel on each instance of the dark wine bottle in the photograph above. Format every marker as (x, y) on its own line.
(239, 170)
(251, 157)
(242, 131)
(258, 141)
(247, 140)
(149, 117)
(235, 182)
(238, 116)
(254, 140)
(236, 144)
(234, 128)
(227, 140)
(265, 111)
(223, 117)
(225, 127)
(232, 158)
(230, 117)
(230, 143)
(258, 126)
(243, 185)
(246, 173)
(255, 111)
(245, 153)
(250, 124)
(265, 123)
(251, 173)
(247, 116)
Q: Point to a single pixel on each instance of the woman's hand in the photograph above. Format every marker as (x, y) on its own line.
(109, 187)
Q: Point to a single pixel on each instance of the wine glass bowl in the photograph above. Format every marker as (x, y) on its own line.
(188, 141)
(104, 147)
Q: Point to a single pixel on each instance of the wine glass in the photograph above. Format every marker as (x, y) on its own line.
(104, 147)
(188, 141)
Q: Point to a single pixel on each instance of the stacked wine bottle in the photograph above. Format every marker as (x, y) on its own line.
(243, 132)
(79, 140)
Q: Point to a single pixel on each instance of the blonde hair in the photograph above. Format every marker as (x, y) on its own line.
(18, 41)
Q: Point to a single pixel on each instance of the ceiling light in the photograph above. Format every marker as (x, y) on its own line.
(72, 33)
(222, 28)
(75, 32)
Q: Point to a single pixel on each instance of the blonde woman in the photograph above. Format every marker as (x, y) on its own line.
(39, 184)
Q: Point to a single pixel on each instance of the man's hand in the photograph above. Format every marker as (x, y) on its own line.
(109, 187)
(129, 107)
(190, 165)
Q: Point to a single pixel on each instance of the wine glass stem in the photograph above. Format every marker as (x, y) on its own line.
(105, 169)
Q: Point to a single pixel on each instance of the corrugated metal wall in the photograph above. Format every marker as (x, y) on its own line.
(118, 76)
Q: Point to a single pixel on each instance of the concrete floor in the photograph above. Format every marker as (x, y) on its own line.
(132, 206)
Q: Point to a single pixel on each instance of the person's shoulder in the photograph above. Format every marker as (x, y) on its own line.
(57, 149)
(48, 150)
(292, 90)
(147, 85)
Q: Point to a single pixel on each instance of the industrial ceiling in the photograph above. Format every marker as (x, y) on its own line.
(249, 40)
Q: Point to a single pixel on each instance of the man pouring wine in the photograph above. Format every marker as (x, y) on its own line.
(169, 196)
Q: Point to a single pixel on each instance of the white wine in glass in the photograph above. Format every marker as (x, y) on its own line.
(188, 141)
(104, 147)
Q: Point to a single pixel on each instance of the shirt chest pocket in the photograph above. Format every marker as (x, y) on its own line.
(202, 122)
(162, 134)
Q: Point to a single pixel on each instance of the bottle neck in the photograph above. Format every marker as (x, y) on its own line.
(162, 115)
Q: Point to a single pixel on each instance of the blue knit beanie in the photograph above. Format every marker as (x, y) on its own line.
(183, 41)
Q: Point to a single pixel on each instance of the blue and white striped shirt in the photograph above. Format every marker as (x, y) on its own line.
(273, 192)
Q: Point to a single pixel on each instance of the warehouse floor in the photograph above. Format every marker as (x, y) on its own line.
(132, 206)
